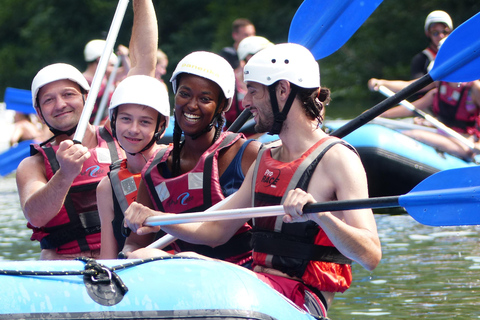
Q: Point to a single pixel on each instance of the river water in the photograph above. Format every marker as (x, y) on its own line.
(425, 273)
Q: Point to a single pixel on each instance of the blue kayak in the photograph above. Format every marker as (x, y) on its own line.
(11, 158)
(169, 288)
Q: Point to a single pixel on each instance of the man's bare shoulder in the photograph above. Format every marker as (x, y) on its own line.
(31, 168)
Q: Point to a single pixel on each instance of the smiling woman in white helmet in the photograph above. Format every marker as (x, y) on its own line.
(307, 261)
(438, 25)
(206, 164)
(139, 113)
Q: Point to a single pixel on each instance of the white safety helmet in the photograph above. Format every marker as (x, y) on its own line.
(210, 66)
(251, 45)
(94, 50)
(286, 61)
(143, 90)
(438, 16)
(55, 72)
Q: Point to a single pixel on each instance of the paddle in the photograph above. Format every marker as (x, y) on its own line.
(388, 93)
(447, 198)
(19, 100)
(167, 239)
(324, 26)
(457, 61)
(240, 121)
(100, 72)
(106, 94)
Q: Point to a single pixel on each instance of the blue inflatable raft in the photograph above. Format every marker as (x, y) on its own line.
(169, 288)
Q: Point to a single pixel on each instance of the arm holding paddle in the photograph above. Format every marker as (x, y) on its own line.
(353, 232)
(41, 199)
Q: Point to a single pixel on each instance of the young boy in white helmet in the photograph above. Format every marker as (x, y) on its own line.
(51, 183)
(139, 113)
(307, 261)
(205, 166)
(438, 25)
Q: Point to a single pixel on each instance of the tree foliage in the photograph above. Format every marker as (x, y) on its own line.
(36, 33)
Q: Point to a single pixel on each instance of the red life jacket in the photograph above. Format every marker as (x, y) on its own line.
(197, 190)
(451, 107)
(430, 54)
(300, 250)
(76, 227)
(125, 189)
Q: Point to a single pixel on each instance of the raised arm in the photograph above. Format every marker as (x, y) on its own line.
(144, 40)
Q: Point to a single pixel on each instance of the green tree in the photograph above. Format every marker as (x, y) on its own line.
(36, 33)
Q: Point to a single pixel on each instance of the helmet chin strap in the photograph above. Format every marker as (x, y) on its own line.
(279, 117)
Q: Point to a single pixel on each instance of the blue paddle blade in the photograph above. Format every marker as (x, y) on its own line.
(323, 26)
(11, 158)
(447, 198)
(458, 59)
(19, 100)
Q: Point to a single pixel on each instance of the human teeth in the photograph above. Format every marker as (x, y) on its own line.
(191, 116)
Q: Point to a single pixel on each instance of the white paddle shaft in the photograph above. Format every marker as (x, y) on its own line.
(100, 71)
(388, 93)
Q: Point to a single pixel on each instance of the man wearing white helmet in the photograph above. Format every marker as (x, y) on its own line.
(205, 166)
(438, 26)
(57, 185)
(308, 261)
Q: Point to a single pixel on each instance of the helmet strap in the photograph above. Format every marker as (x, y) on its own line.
(280, 116)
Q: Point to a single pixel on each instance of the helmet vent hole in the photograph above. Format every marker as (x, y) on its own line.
(287, 61)
(274, 61)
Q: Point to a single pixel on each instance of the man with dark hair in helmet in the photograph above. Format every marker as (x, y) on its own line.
(57, 185)
(241, 29)
(309, 260)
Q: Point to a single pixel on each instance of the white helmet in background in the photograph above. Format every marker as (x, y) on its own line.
(251, 45)
(210, 66)
(142, 90)
(55, 72)
(94, 50)
(286, 61)
(438, 16)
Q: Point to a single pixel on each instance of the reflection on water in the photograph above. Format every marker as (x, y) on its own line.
(425, 273)
(15, 241)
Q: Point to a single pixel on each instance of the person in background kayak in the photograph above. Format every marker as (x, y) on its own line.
(57, 185)
(306, 257)
(438, 25)
(456, 105)
(207, 164)
(241, 29)
(139, 114)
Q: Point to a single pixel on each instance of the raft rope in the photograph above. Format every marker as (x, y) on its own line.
(97, 271)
